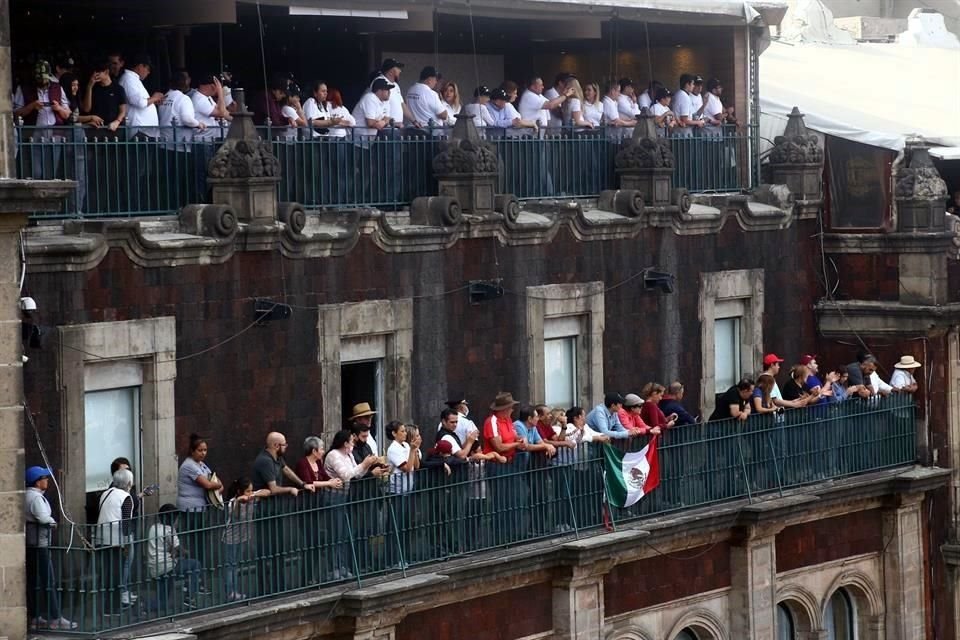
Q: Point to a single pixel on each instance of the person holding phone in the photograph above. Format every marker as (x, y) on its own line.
(652, 393)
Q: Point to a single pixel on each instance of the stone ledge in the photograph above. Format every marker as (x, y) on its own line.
(164, 242)
(474, 576)
(837, 318)
(894, 242)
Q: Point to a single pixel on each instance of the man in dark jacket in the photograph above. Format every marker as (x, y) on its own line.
(671, 403)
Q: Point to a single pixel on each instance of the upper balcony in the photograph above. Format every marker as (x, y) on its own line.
(123, 574)
(121, 175)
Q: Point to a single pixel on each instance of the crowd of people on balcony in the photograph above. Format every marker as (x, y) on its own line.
(113, 95)
(489, 460)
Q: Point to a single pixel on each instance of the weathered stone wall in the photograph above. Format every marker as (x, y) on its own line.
(269, 378)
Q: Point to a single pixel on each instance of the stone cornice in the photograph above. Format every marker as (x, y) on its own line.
(838, 318)
(168, 241)
(894, 242)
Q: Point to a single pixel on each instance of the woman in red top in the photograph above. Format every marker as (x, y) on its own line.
(310, 467)
(650, 412)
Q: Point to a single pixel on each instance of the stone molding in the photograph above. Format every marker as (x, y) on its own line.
(840, 318)
(894, 242)
(174, 241)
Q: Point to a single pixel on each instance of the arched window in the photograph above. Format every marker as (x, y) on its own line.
(786, 630)
(686, 634)
(839, 620)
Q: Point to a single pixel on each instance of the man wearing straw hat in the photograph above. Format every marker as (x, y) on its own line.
(903, 380)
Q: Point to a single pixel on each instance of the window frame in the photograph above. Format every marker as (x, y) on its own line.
(717, 290)
(553, 309)
(149, 344)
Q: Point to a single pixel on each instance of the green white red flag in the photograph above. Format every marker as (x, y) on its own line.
(630, 476)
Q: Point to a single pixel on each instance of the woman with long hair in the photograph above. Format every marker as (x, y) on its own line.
(450, 94)
(762, 399)
(573, 108)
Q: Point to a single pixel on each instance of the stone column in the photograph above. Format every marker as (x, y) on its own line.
(903, 568)
(16, 197)
(6, 92)
(753, 576)
(578, 602)
(796, 159)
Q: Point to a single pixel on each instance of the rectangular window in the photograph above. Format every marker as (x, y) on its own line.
(111, 430)
(560, 371)
(726, 353)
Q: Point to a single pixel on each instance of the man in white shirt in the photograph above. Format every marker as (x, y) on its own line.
(626, 101)
(682, 107)
(713, 108)
(390, 73)
(506, 116)
(373, 111)
(209, 105)
(142, 115)
(424, 103)
(177, 117)
(478, 109)
(649, 97)
(696, 98)
(534, 106)
(611, 112)
(559, 85)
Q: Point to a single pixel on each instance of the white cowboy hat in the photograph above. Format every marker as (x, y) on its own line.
(907, 362)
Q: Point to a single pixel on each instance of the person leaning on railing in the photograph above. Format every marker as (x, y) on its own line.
(735, 402)
(631, 415)
(404, 459)
(762, 396)
(651, 413)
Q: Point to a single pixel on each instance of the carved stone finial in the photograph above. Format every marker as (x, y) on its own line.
(243, 173)
(646, 150)
(465, 152)
(917, 177)
(797, 145)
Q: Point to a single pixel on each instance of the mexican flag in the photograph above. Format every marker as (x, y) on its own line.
(630, 476)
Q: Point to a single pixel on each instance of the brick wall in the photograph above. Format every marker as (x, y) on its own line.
(501, 616)
(268, 378)
(660, 579)
(865, 277)
(822, 541)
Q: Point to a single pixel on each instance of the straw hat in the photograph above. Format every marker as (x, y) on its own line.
(362, 410)
(504, 400)
(907, 362)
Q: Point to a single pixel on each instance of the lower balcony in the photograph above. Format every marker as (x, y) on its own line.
(122, 175)
(104, 580)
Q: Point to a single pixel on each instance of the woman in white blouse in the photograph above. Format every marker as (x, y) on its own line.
(339, 462)
(450, 94)
(346, 120)
(573, 107)
(592, 107)
(317, 110)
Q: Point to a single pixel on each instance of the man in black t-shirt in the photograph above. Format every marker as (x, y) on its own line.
(735, 402)
(104, 100)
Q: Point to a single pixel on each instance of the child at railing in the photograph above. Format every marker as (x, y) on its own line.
(241, 500)
(167, 559)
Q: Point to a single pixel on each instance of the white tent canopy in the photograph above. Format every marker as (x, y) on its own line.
(876, 94)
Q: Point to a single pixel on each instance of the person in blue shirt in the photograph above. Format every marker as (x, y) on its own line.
(670, 403)
(526, 428)
(604, 419)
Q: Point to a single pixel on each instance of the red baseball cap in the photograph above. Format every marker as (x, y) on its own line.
(770, 359)
(807, 359)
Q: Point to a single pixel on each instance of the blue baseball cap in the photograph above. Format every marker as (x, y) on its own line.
(35, 473)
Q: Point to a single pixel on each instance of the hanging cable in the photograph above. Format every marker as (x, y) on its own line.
(473, 40)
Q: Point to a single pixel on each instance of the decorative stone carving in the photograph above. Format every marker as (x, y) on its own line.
(293, 215)
(919, 190)
(244, 173)
(646, 164)
(797, 159)
(244, 159)
(210, 220)
(435, 211)
(466, 169)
